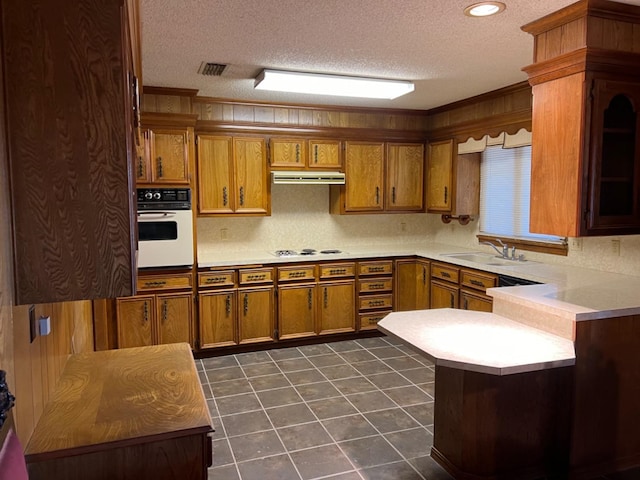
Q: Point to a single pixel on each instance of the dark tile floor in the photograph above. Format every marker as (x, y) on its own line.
(351, 410)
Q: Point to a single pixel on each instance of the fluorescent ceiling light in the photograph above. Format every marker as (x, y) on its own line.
(321, 84)
(484, 9)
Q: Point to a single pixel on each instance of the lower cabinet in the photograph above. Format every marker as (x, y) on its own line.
(455, 287)
(412, 281)
(296, 311)
(217, 319)
(256, 315)
(337, 307)
(375, 292)
(443, 295)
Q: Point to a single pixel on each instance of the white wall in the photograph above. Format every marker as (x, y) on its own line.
(300, 218)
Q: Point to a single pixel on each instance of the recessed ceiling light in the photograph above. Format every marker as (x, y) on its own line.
(484, 9)
(323, 84)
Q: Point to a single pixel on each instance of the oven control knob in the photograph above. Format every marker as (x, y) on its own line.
(148, 196)
(156, 196)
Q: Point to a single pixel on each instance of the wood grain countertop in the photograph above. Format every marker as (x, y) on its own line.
(121, 397)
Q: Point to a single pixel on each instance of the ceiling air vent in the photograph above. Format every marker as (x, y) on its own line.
(211, 69)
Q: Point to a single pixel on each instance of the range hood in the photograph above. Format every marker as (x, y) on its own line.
(308, 177)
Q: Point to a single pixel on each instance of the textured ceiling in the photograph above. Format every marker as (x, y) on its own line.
(449, 56)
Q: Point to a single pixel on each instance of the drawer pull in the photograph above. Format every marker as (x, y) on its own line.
(478, 283)
(297, 274)
(376, 303)
(445, 274)
(376, 269)
(155, 283)
(374, 320)
(215, 279)
(376, 286)
(256, 277)
(337, 271)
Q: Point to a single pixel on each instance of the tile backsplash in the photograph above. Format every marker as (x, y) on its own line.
(300, 218)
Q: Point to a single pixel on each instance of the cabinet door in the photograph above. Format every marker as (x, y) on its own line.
(405, 177)
(251, 185)
(337, 307)
(325, 154)
(217, 319)
(475, 301)
(439, 173)
(215, 175)
(174, 318)
(169, 155)
(614, 203)
(288, 153)
(412, 285)
(443, 295)
(296, 311)
(256, 315)
(135, 317)
(364, 170)
(142, 167)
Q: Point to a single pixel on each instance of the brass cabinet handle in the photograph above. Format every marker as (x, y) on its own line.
(146, 312)
(140, 168)
(155, 284)
(476, 282)
(445, 274)
(424, 275)
(465, 304)
(452, 300)
(310, 298)
(297, 152)
(376, 286)
(393, 194)
(245, 303)
(165, 310)
(262, 276)
(377, 195)
(326, 298)
(160, 167)
(337, 271)
(215, 280)
(445, 194)
(225, 196)
(315, 153)
(241, 196)
(376, 269)
(374, 320)
(227, 305)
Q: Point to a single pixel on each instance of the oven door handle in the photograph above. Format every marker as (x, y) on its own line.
(156, 215)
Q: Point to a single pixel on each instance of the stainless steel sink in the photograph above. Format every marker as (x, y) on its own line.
(485, 259)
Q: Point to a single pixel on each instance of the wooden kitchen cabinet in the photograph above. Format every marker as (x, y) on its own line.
(256, 314)
(443, 295)
(297, 311)
(381, 177)
(232, 176)
(337, 307)
(585, 176)
(455, 287)
(287, 153)
(154, 319)
(217, 319)
(71, 109)
(375, 292)
(325, 154)
(453, 181)
(412, 277)
(473, 301)
(404, 177)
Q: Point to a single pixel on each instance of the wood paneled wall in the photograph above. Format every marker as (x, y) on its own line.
(32, 368)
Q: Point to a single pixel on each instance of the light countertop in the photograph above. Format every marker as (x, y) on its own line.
(569, 292)
(478, 341)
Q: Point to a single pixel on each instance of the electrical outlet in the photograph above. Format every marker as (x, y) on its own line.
(224, 234)
(615, 247)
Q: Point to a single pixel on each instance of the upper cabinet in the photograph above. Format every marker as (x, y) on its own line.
(232, 176)
(165, 157)
(381, 177)
(302, 154)
(72, 110)
(453, 181)
(585, 166)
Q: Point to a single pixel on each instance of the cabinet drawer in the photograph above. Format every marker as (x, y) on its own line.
(217, 279)
(176, 281)
(371, 302)
(369, 321)
(252, 276)
(300, 272)
(477, 280)
(375, 285)
(337, 270)
(375, 268)
(445, 272)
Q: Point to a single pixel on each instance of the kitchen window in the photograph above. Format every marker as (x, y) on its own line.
(505, 181)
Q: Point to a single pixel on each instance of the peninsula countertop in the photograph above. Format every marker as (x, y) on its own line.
(571, 292)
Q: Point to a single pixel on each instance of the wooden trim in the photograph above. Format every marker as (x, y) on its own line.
(168, 119)
(510, 123)
(179, 92)
(539, 246)
(213, 126)
(306, 106)
(483, 97)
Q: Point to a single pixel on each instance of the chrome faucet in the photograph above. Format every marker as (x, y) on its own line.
(505, 248)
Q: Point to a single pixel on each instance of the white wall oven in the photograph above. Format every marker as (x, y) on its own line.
(165, 227)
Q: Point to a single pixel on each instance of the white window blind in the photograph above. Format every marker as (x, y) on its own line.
(505, 182)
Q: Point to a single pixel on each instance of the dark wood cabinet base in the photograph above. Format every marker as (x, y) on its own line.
(514, 427)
